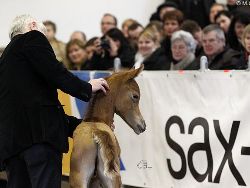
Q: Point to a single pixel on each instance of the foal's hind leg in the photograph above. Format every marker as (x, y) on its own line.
(107, 182)
(82, 163)
(95, 182)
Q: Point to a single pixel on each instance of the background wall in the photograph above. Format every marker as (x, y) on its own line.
(70, 15)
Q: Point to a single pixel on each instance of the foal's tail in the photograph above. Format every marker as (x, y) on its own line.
(109, 151)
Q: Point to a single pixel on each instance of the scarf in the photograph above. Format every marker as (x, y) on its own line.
(185, 62)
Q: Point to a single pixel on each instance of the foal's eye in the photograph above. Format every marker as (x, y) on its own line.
(135, 97)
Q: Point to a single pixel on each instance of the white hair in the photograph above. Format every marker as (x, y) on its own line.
(21, 23)
(186, 37)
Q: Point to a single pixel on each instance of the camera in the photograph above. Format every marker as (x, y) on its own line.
(105, 44)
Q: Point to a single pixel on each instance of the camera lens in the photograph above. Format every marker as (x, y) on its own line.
(105, 44)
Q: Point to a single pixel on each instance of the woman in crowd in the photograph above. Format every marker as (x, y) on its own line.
(215, 8)
(237, 26)
(157, 28)
(171, 22)
(183, 47)
(223, 19)
(246, 44)
(90, 47)
(76, 55)
(147, 44)
(152, 55)
(112, 45)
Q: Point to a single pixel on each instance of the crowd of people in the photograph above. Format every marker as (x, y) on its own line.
(175, 38)
(177, 35)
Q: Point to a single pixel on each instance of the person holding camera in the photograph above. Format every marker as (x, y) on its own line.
(113, 44)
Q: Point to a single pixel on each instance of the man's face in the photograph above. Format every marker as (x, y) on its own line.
(78, 36)
(212, 45)
(107, 23)
(134, 34)
(50, 32)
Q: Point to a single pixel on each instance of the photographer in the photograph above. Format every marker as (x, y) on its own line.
(113, 44)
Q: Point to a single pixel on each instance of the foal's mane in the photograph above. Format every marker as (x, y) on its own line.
(115, 82)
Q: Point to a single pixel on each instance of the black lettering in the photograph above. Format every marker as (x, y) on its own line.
(200, 147)
(228, 152)
(176, 147)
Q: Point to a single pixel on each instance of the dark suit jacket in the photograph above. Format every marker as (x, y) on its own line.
(30, 111)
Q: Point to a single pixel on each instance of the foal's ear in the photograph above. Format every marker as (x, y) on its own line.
(134, 72)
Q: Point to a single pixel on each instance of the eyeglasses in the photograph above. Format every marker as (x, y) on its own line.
(107, 23)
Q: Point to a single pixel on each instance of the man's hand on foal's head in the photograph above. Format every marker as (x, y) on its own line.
(99, 84)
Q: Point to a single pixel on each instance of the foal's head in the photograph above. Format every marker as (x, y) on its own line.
(127, 99)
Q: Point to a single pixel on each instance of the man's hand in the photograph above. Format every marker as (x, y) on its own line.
(99, 84)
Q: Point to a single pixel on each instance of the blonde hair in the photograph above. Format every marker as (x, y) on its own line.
(149, 34)
(245, 32)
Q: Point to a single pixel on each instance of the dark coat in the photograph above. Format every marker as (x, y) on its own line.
(106, 62)
(197, 10)
(228, 59)
(243, 60)
(30, 111)
(157, 61)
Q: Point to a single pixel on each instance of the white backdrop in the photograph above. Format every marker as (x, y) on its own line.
(70, 15)
(197, 125)
(218, 106)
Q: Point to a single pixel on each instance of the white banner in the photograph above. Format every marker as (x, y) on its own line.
(198, 131)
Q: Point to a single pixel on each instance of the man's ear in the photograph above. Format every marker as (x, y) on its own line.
(33, 26)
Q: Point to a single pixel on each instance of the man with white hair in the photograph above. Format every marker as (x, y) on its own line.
(33, 125)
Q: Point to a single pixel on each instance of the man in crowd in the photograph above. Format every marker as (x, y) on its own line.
(79, 35)
(57, 45)
(33, 125)
(108, 22)
(219, 56)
